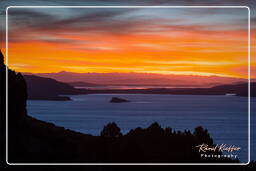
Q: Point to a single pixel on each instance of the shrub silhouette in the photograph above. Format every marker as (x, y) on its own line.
(111, 130)
(203, 135)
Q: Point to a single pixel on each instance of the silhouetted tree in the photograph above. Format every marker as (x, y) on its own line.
(111, 130)
(135, 132)
(203, 135)
(155, 129)
(187, 132)
(168, 131)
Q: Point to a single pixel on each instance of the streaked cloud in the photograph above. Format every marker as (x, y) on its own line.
(199, 41)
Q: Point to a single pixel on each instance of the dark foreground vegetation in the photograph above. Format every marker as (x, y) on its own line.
(31, 140)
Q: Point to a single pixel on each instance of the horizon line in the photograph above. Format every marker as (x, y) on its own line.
(145, 73)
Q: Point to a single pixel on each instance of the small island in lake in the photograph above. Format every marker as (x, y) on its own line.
(118, 100)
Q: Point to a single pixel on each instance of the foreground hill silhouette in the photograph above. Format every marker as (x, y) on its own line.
(31, 140)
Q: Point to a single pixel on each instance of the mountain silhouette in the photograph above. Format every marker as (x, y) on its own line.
(143, 79)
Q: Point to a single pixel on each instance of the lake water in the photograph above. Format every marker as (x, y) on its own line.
(225, 117)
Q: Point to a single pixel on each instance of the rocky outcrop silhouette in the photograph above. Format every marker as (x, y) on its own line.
(16, 103)
(2, 105)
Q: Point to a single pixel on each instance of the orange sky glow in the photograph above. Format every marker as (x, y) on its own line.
(169, 51)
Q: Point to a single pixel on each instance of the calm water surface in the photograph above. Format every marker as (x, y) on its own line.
(225, 117)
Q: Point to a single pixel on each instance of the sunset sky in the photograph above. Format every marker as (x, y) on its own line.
(165, 41)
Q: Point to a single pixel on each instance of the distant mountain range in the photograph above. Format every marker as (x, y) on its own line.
(147, 79)
(240, 89)
(41, 88)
